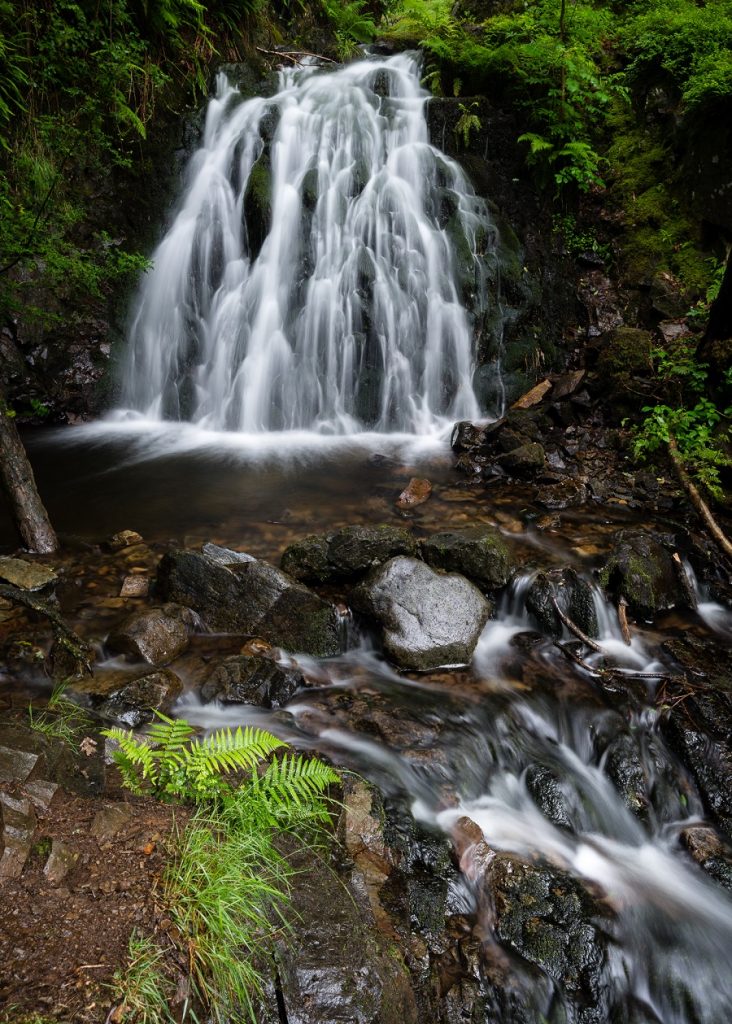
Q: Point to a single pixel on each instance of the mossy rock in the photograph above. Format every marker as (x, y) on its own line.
(307, 559)
(479, 553)
(351, 551)
(258, 205)
(641, 570)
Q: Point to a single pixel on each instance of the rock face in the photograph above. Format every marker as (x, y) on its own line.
(479, 553)
(251, 597)
(641, 570)
(26, 575)
(347, 552)
(428, 619)
(242, 679)
(154, 636)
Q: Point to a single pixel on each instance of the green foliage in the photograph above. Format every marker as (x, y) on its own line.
(227, 891)
(143, 989)
(578, 241)
(467, 122)
(701, 430)
(352, 24)
(62, 719)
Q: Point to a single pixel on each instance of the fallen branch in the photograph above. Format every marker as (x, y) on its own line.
(623, 620)
(65, 639)
(574, 628)
(293, 55)
(569, 653)
(696, 499)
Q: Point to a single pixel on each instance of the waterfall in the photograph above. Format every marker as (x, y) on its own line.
(326, 269)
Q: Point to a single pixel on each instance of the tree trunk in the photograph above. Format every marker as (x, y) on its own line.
(19, 485)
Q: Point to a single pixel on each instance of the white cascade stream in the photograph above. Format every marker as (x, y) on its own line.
(350, 312)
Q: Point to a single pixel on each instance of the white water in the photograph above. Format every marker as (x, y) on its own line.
(350, 316)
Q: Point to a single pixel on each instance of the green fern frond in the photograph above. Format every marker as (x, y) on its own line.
(135, 760)
(225, 751)
(293, 783)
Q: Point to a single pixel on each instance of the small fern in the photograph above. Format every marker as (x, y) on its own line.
(171, 763)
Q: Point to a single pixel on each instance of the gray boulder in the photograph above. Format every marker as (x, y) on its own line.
(428, 619)
(480, 553)
(130, 698)
(251, 597)
(243, 679)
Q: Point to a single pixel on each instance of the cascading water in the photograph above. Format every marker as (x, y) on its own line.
(318, 271)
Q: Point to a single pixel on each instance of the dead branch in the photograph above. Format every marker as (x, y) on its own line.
(623, 620)
(574, 628)
(293, 55)
(684, 581)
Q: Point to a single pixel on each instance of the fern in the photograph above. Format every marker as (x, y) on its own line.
(171, 763)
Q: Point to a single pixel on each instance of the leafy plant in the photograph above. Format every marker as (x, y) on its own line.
(467, 122)
(142, 988)
(62, 719)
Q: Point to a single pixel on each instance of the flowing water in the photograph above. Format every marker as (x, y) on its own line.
(349, 314)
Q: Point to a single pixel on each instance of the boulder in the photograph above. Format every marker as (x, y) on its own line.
(415, 493)
(154, 636)
(547, 918)
(350, 551)
(480, 553)
(130, 698)
(251, 597)
(428, 619)
(243, 679)
(641, 570)
(573, 595)
(525, 460)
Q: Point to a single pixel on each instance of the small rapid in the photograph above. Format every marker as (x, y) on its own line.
(326, 269)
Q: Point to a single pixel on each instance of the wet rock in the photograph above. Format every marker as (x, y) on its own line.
(135, 586)
(566, 385)
(153, 636)
(251, 597)
(480, 553)
(307, 559)
(334, 968)
(130, 699)
(641, 570)
(548, 919)
(243, 679)
(563, 494)
(415, 493)
(123, 539)
(708, 850)
(347, 552)
(549, 797)
(225, 556)
(573, 595)
(467, 436)
(534, 396)
(17, 824)
(525, 460)
(428, 620)
(61, 862)
(26, 575)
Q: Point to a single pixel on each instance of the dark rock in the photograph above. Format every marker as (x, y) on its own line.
(708, 850)
(429, 620)
(61, 862)
(573, 595)
(549, 797)
(17, 825)
(667, 296)
(242, 679)
(526, 460)
(152, 636)
(123, 539)
(355, 549)
(563, 494)
(479, 552)
(641, 570)
(307, 559)
(251, 597)
(546, 917)
(130, 699)
(467, 436)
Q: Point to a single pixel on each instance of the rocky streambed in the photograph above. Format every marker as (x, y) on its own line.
(527, 662)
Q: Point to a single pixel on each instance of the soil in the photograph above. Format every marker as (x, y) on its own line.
(60, 945)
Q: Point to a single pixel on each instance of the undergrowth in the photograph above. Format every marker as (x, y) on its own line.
(226, 891)
(61, 719)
